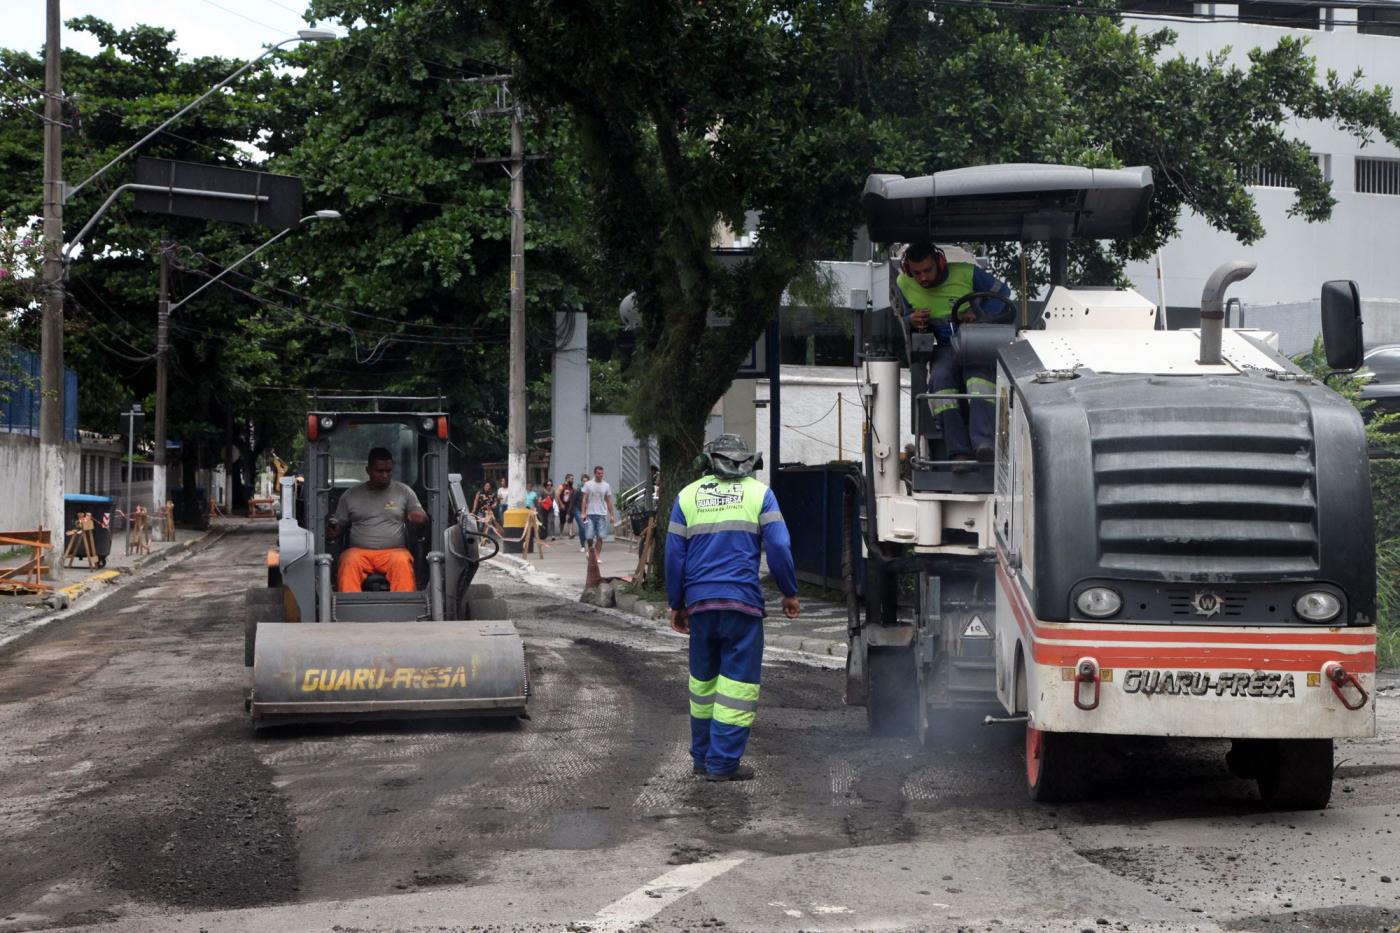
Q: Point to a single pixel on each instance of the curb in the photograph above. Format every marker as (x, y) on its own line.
(101, 585)
(630, 604)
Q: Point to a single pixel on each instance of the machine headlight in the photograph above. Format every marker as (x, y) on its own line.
(429, 424)
(1099, 602)
(327, 422)
(1317, 606)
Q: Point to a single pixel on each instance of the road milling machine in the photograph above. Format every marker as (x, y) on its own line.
(447, 648)
(1175, 537)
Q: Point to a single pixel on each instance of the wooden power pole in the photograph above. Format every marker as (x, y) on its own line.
(519, 452)
(52, 404)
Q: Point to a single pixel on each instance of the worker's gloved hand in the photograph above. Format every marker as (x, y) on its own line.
(680, 621)
(792, 607)
(919, 319)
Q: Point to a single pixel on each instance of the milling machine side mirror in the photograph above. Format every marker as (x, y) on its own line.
(1341, 325)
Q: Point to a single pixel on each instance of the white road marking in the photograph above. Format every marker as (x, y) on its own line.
(658, 894)
(149, 593)
(130, 609)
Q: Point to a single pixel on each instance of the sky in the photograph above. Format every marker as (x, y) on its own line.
(231, 28)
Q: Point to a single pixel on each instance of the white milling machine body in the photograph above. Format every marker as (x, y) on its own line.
(1175, 538)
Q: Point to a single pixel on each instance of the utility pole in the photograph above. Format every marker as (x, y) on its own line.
(518, 453)
(158, 473)
(51, 405)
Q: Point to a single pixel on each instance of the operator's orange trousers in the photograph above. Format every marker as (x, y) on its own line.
(395, 563)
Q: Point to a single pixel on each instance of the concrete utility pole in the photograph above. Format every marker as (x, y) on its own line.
(51, 405)
(518, 454)
(158, 473)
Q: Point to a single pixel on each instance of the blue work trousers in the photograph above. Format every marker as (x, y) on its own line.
(726, 656)
(945, 376)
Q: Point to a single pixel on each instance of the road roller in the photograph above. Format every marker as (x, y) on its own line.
(443, 648)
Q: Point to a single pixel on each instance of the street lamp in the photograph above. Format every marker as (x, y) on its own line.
(319, 215)
(50, 475)
(164, 308)
(303, 35)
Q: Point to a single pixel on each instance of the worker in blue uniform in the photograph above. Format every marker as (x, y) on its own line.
(928, 287)
(718, 525)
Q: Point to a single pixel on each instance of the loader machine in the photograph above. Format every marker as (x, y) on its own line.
(446, 649)
(1175, 537)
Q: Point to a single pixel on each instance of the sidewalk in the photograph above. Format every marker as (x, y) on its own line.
(21, 616)
(820, 630)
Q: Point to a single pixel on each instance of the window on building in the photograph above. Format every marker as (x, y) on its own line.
(1258, 176)
(1288, 15)
(1378, 21)
(1377, 176)
(1161, 7)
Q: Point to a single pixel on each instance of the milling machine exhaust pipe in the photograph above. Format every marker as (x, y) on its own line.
(1213, 305)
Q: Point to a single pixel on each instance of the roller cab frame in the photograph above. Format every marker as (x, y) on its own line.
(445, 649)
(1175, 538)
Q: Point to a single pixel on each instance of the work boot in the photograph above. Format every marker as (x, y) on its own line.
(698, 769)
(741, 773)
(964, 464)
(986, 453)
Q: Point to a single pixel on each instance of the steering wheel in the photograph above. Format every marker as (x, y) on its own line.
(975, 300)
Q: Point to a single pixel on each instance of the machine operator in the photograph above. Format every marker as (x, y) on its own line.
(376, 513)
(718, 524)
(929, 285)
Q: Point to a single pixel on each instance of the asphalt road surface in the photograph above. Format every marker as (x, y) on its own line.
(135, 797)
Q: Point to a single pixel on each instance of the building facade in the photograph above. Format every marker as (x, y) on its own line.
(1295, 257)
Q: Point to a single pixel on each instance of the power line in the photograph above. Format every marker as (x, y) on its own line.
(434, 328)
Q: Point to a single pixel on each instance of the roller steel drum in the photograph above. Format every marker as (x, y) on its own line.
(371, 670)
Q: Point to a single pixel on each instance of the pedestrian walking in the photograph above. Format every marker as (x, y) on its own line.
(484, 500)
(544, 508)
(598, 509)
(719, 524)
(565, 503)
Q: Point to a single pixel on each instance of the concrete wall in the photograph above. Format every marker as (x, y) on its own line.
(1295, 257)
(809, 415)
(569, 408)
(19, 464)
(608, 435)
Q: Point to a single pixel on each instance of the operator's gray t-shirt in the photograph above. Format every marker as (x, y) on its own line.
(376, 517)
(597, 494)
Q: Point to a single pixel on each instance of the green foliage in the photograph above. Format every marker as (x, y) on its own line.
(1388, 603)
(1381, 427)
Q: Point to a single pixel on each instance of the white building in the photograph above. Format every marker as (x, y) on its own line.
(1362, 237)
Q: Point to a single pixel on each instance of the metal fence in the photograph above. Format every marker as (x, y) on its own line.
(810, 499)
(20, 380)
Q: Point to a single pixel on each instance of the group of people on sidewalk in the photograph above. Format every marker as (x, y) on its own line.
(586, 508)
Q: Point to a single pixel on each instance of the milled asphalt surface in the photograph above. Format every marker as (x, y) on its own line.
(137, 799)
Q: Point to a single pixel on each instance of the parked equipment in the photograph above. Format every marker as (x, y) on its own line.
(1175, 538)
(446, 649)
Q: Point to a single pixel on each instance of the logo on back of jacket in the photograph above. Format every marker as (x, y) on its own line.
(717, 495)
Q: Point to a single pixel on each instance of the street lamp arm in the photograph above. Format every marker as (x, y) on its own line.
(69, 192)
(319, 215)
(133, 186)
(229, 269)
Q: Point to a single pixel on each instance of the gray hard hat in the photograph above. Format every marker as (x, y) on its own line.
(728, 457)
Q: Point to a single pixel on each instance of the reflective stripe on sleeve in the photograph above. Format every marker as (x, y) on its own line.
(768, 518)
(676, 528)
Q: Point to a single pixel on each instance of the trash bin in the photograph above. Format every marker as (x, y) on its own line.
(100, 508)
